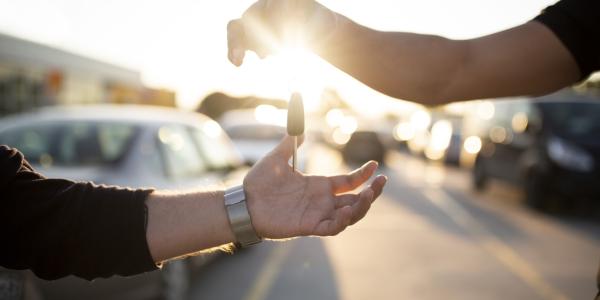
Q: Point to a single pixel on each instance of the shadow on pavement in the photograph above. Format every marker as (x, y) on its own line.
(296, 269)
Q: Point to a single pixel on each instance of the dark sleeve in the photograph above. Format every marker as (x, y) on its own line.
(577, 24)
(58, 227)
(598, 284)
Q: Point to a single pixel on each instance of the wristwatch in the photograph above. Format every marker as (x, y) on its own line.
(239, 217)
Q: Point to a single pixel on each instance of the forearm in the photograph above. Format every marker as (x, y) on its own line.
(408, 66)
(184, 223)
(524, 60)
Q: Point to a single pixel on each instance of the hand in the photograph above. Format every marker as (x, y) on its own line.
(284, 203)
(270, 24)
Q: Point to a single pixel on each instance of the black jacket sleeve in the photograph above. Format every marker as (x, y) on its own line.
(57, 227)
(577, 24)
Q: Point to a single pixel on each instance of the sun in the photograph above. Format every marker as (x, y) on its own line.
(302, 72)
(287, 71)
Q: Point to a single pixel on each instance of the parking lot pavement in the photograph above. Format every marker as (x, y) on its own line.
(428, 237)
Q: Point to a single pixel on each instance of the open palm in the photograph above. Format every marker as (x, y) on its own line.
(285, 203)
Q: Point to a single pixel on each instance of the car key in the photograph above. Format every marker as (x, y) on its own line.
(295, 123)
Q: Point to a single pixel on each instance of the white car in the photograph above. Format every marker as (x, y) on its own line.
(135, 146)
(254, 139)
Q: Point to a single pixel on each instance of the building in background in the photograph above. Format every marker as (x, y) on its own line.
(33, 75)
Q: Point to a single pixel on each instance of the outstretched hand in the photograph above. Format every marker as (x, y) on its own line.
(284, 203)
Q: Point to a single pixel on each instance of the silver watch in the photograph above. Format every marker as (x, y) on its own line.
(239, 217)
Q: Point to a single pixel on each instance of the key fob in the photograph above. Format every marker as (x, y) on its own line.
(295, 116)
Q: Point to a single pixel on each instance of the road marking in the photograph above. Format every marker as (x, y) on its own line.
(266, 278)
(493, 245)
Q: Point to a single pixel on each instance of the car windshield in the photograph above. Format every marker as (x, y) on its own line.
(579, 120)
(75, 143)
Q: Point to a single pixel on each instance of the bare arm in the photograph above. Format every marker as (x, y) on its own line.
(282, 204)
(527, 59)
(181, 224)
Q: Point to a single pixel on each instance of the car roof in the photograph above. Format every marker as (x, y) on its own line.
(106, 112)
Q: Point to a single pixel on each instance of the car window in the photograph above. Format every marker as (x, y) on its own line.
(578, 120)
(152, 157)
(180, 152)
(252, 132)
(78, 143)
(215, 145)
(503, 113)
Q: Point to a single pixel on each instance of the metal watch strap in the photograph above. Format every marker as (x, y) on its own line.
(239, 217)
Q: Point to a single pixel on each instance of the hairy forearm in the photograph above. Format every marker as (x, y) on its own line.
(408, 66)
(184, 223)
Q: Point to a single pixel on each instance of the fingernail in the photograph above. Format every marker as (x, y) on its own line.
(376, 166)
(237, 55)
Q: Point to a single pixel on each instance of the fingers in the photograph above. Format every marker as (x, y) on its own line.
(377, 185)
(251, 32)
(366, 198)
(361, 202)
(351, 208)
(361, 207)
(285, 149)
(267, 25)
(236, 42)
(348, 182)
(350, 199)
(340, 220)
(354, 208)
(242, 34)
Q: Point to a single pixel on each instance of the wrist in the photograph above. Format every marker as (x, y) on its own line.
(238, 214)
(184, 223)
(322, 24)
(227, 235)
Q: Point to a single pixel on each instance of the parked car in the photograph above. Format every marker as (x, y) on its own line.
(254, 140)
(362, 147)
(444, 140)
(255, 137)
(549, 145)
(133, 146)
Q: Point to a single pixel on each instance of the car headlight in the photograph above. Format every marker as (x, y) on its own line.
(569, 156)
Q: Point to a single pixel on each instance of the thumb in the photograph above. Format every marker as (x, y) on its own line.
(285, 149)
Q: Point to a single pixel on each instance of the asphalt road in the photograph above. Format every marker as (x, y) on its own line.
(428, 237)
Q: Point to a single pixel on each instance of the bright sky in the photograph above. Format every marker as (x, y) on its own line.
(181, 44)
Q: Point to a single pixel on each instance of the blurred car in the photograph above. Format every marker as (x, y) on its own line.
(253, 141)
(338, 127)
(255, 132)
(362, 147)
(452, 155)
(131, 146)
(549, 145)
(444, 140)
(412, 131)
